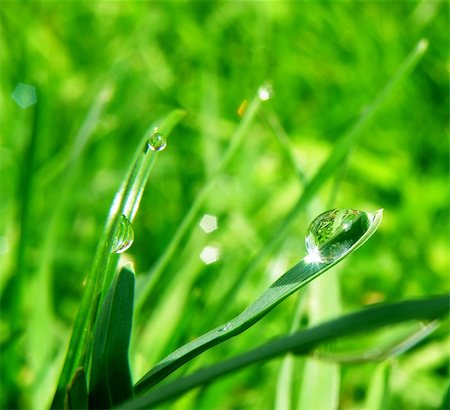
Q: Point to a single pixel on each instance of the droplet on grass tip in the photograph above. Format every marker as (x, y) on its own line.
(24, 95)
(157, 141)
(334, 232)
(124, 237)
(265, 92)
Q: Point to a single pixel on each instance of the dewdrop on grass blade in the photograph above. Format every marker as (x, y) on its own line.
(156, 141)
(334, 232)
(124, 237)
(265, 92)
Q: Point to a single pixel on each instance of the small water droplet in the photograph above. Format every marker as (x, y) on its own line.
(24, 95)
(124, 237)
(333, 232)
(157, 141)
(265, 92)
(225, 327)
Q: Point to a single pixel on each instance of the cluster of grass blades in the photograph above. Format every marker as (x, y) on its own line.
(96, 371)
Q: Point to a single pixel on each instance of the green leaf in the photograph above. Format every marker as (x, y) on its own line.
(291, 281)
(126, 203)
(302, 342)
(110, 378)
(77, 396)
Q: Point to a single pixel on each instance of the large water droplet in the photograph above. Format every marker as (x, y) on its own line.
(124, 237)
(334, 232)
(157, 141)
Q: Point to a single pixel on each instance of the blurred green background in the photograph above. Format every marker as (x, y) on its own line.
(130, 63)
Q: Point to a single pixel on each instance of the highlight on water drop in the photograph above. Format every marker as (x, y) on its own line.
(124, 237)
(334, 232)
(157, 141)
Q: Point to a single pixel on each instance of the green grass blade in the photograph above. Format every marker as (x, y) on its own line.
(125, 203)
(321, 380)
(378, 394)
(77, 396)
(366, 320)
(334, 161)
(291, 281)
(144, 294)
(110, 378)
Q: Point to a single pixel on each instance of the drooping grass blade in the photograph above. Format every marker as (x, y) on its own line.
(291, 281)
(366, 320)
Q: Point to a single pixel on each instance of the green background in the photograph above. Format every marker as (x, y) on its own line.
(326, 62)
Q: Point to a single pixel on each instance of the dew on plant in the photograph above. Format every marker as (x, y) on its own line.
(265, 92)
(24, 95)
(124, 237)
(156, 141)
(209, 254)
(334, 232)
(225, 327)
(208, 223)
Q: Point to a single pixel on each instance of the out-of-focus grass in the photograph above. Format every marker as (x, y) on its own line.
(326, 64)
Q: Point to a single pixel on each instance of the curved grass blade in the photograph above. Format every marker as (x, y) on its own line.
(368, 319)
(291, 281)
(100, 277)
(110, 377)
(333, 162)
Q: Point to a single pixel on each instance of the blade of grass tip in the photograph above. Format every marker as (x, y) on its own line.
(378, 394)
(366, 320)
(291, 281)
(144, 294)
(41, 316)
(334, 161)
(125, 204)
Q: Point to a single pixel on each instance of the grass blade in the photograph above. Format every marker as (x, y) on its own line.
(145, 293)
(291, 281)
(368, 319)
(125, 203)
(110, 378)
(77, 396)
(378, 395)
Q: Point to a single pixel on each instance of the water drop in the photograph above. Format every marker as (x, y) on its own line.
(124, 237)
(225, 327)
(334, 232)
(265, 92)
(157, 141)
